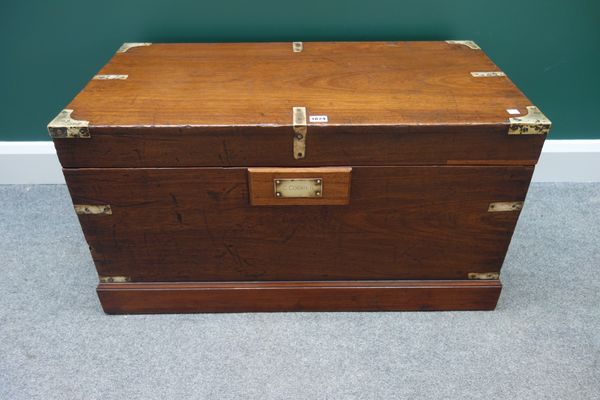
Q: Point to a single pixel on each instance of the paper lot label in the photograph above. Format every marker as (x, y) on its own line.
(317, 118)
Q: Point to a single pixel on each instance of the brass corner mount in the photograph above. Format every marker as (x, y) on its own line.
(533, 123)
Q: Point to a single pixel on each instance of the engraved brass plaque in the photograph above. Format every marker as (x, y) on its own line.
(301, 187)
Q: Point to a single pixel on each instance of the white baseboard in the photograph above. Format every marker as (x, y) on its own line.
(561, 161)
(29, 163)
(569, 161)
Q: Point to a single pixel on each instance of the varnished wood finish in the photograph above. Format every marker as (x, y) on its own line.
(272, 147)
(388, 103)
(257, 84)
(335, 183)
(177, 148)
(197, 224)
(143, 298)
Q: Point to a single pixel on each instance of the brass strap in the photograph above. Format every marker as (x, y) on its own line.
(300, 131)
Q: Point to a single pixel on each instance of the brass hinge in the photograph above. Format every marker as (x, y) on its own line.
(297, 47)
(63, 126)
(469, 43)
(487, 74)
(109, 77)
(300, 131)
(85, 209)
(114, 279)
(534, 123)
(126, 46)
(484, 275)
(501, 206)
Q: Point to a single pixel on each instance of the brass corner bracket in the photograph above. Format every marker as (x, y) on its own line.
(469, 43)
(300, 131)
(89, 209)
(503, 206)
(484, 275)
(114, 279)
(297, 47)
(534, 123)
(63, 126)
(487, 74)
(109, 77)
(126, 46)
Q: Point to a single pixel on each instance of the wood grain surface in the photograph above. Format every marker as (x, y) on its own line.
(272, 147)
(197, 224)
(228, 104)
(140, 298)
(257, 84)
(186, 148)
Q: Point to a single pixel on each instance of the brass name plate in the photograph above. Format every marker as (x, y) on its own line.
(301, 187)
(313, 186)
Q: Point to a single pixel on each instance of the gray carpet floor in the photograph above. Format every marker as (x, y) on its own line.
(542, 342)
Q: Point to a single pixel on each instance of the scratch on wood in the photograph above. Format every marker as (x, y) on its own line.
(231, 189)
(114, 236)
(290, 235)
(226, 150)
(234, 254)
(208, 231)
(216, 196)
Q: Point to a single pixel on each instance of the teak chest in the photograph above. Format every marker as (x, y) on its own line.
(299, 176)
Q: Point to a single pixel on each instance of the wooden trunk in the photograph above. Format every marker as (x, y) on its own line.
(299, 177)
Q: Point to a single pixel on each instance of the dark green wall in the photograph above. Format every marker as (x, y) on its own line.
(50, 48)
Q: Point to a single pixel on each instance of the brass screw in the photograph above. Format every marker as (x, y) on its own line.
(277, 182)
(318, 193)
(278, 194)
(318, 181)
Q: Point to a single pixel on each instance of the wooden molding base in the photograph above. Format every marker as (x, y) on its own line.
(166, 297)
